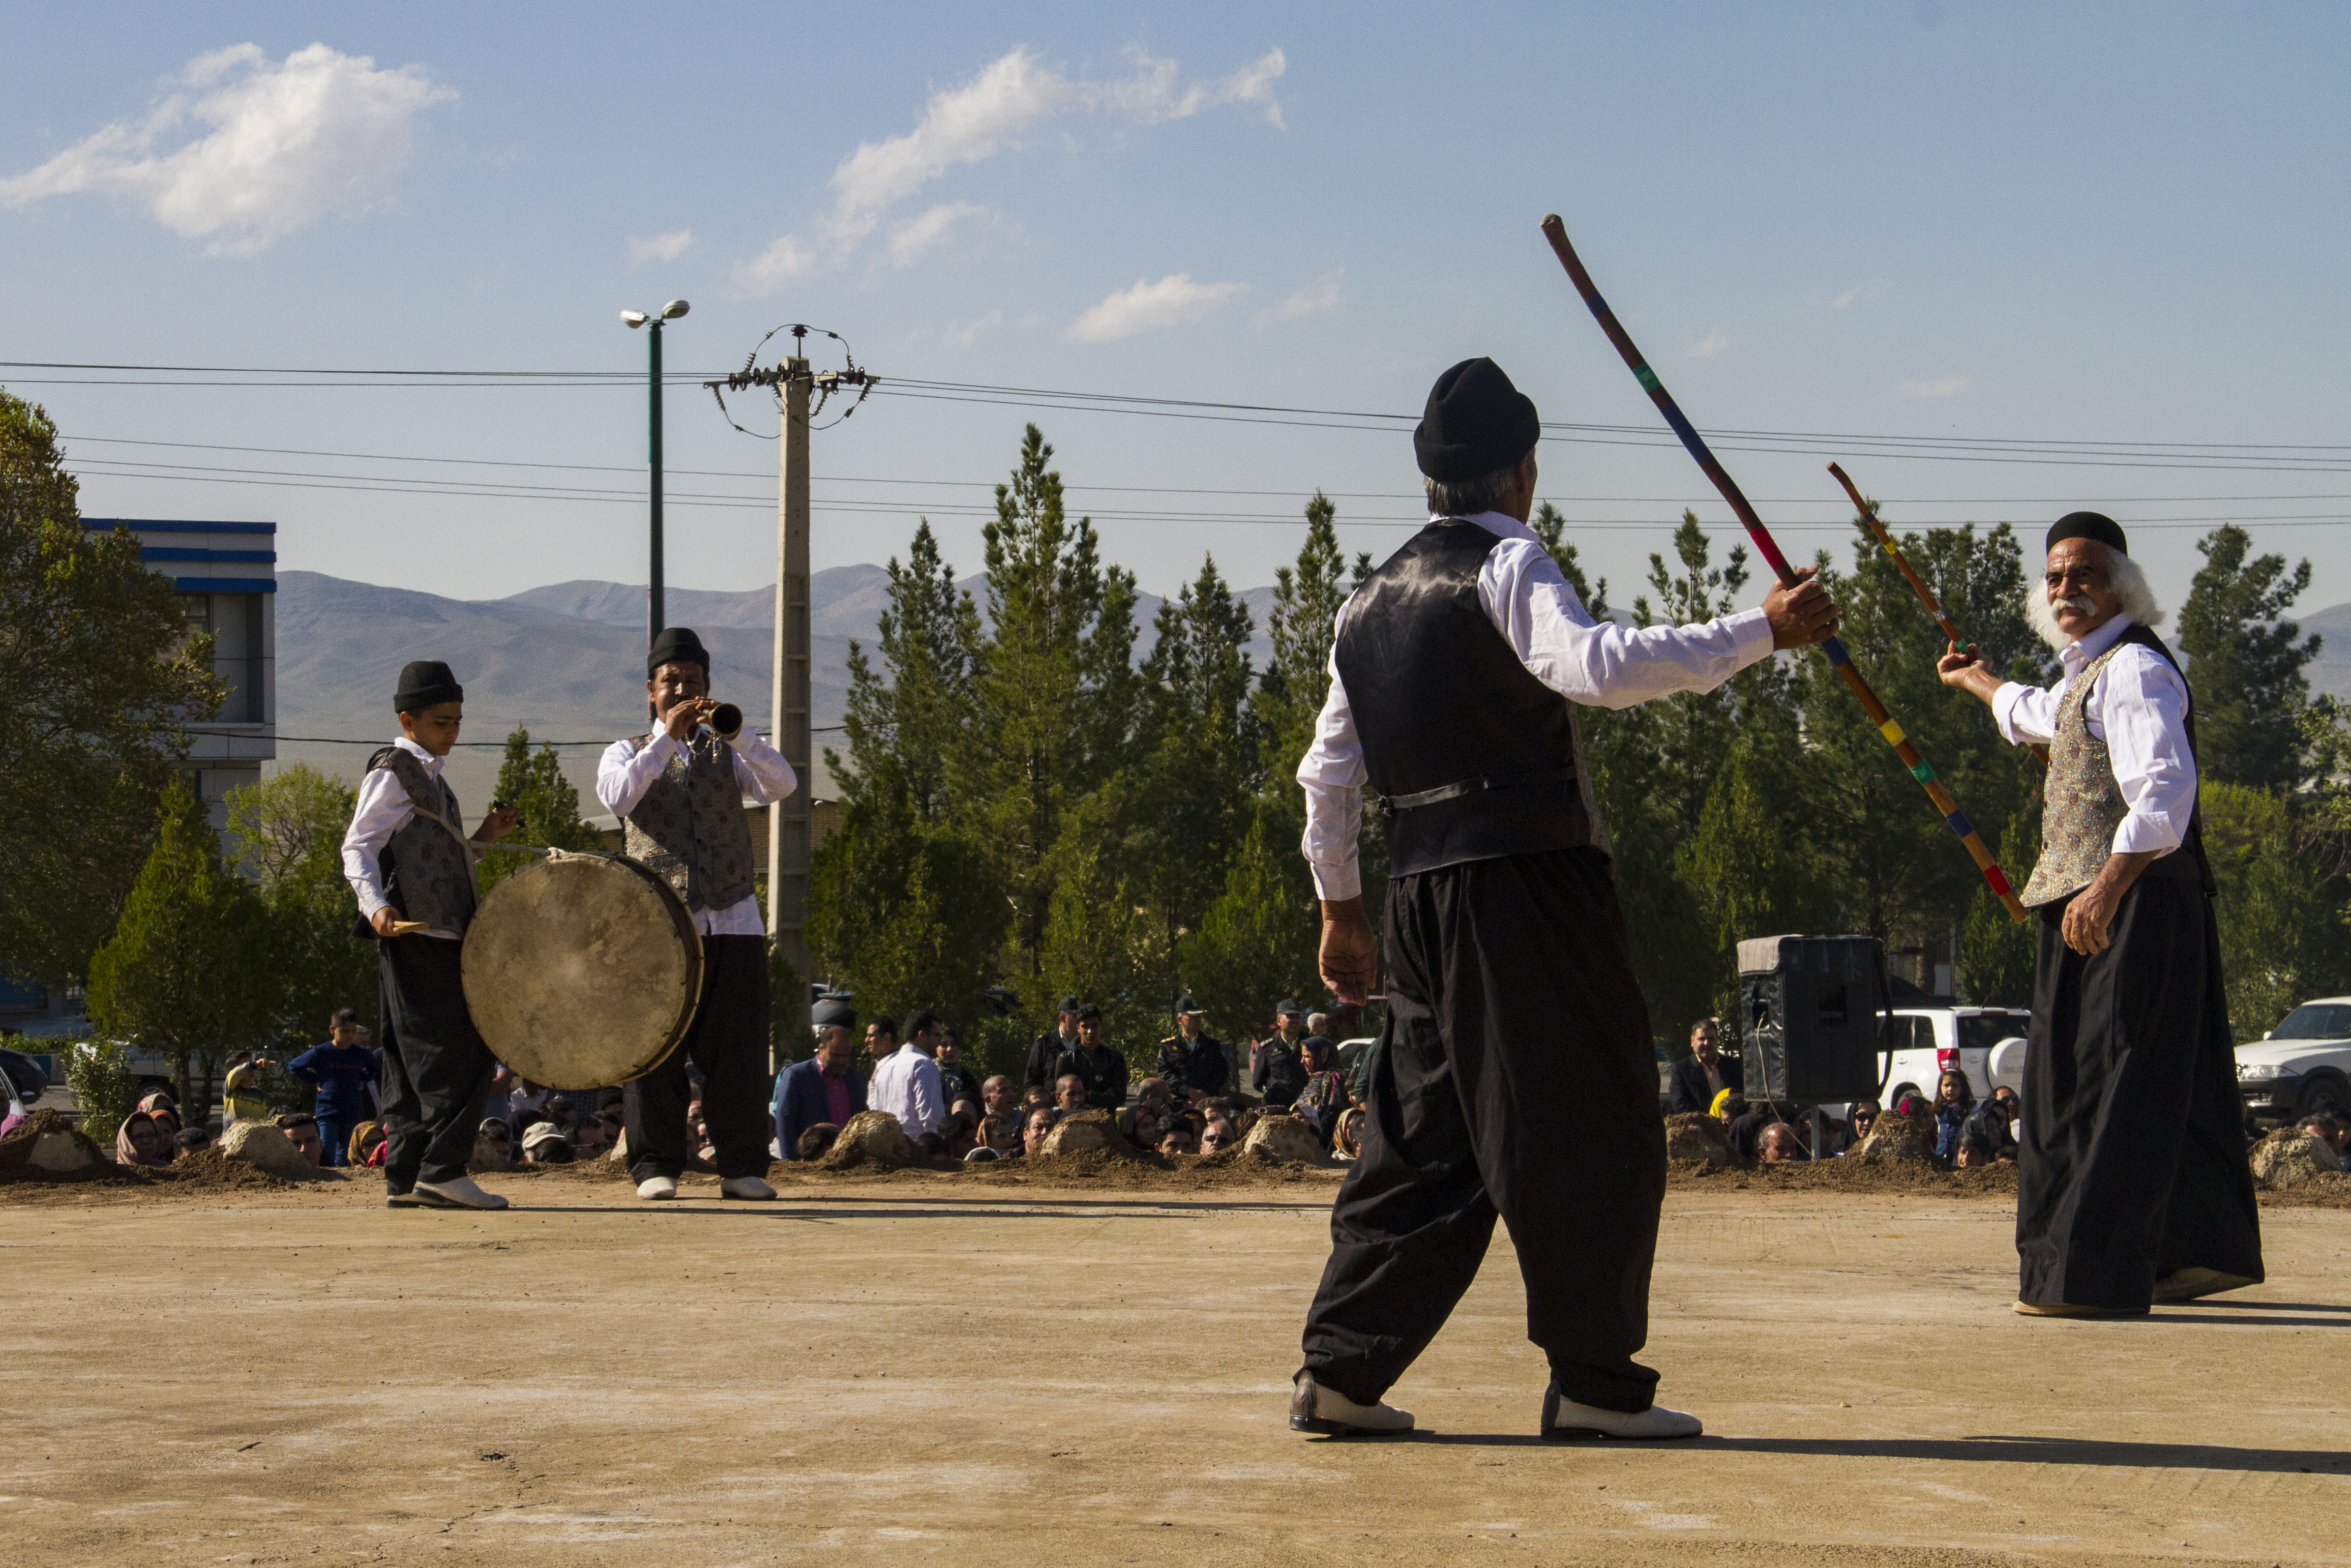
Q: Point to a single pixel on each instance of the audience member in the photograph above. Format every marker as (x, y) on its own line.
(1045, 1055)
(996, 1093)
(241, 1094)
(881, 1039)
(907, 1082)
(956, 1079)
(192, 1141)
(1705, 1072)
(1000, 1130)
(301, 1130)
(1349, 1143)
(588, 1138)
(814, 1141)
(2323, 1127)
(1189, 1059)
(1953, 1101)
(166, 1111)
(365, 1145)
(142, 1141)
(959, 1133)
(1097, 1064)
(1039, 1121)
(343, 1072)
(825, 1089)
(1034, 1095)
(1178, 1140)
(1859, 1117)
(1324, 1097)
(1983, 1136)
(1216, 1136)
(1777, 1143)
(1139, 1125)
(1277, 1069)
(1070, 1092)
(545, 1145)
(492, 1146)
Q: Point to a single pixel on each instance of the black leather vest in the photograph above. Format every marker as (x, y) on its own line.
(2188, 862)
(1472, 756)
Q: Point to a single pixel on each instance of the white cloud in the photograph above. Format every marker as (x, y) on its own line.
(1148, 307)
(1847, 298)
(930, 231)
(1712, 344)
(779, 264)
(995, 111)
(321, 131)
(962, 334)
(1322, 295)
(1949, 386)
(661, 247)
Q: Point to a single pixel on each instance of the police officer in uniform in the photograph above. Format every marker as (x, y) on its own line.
(1192, 1061)
(1278, 1066)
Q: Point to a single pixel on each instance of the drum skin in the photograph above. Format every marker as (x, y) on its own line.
(582, 971)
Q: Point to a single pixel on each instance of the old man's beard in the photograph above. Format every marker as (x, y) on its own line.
(2042, 613)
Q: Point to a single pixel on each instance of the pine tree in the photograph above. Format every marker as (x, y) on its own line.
(919, 712)
(1997, 954)
(2245, 664)
(549, 803)
(1257, 942)
(186, 973)
(287, 833)
(1550, 525)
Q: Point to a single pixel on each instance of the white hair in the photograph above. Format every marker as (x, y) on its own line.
(2124, 575)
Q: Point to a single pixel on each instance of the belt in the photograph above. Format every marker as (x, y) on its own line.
(1391, 804)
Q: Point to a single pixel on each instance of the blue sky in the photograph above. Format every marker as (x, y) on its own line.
(2110, 224)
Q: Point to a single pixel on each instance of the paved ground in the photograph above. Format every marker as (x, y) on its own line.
(894, 1375)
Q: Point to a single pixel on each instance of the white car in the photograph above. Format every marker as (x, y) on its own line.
(1985, 1043)
(2303, 1066)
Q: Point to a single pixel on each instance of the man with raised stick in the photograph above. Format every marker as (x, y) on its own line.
(2131, 1184)
(1512, 1011)
(681, 790)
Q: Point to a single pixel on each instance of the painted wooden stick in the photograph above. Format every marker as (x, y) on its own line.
(1868, 511)
(1556, 232)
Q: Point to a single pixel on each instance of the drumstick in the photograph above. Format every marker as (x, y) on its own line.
(408, 927)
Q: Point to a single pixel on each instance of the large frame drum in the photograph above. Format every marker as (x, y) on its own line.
(583, 971)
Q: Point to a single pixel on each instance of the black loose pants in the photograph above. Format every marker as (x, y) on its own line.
(1516, 1077)
(435, 1076)
(2131, 1158)
(729, 1042)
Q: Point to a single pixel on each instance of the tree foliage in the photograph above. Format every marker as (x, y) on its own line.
(2245, 663)
(534, 784)
(287, 833)
(101, 674)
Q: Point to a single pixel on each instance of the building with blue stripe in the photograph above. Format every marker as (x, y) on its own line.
(227, 577)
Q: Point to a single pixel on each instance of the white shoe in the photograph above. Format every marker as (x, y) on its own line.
(1314, 1408)
(459, 1193)
(1563, 1417)
(653, 1189)
(750, 1188)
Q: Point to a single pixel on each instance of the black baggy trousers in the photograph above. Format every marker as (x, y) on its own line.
(2131, 1158)
(729, 1042)
(435, 1070)
(1516, 1076)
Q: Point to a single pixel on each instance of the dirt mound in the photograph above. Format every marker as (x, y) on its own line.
(1694, 1138)
(1283, 1138)
(1084, 1129)
(47, 1147)
(2290, 1157)
(264, 1146)
(1896, 1139)
(1862, 1177)
(874, 1138)
(1131, 1170)
(215, 1170)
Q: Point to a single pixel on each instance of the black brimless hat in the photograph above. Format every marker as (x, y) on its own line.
(425, 682)
(677, 645)
(1476, 423)
(2087, 525)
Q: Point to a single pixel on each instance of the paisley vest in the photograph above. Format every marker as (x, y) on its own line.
(428, 876)
(2082, 803)
(689, 827)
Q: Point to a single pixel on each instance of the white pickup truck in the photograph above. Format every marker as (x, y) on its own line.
(1985, 1043)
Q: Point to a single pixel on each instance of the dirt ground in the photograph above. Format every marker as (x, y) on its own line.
(1089, 1367)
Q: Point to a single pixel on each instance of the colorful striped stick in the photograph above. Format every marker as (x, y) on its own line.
(1556, 232)
(1868, 510)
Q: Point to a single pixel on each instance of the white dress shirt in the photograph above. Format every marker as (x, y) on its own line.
(630, 767)
(1596, 662)
(2139, 709)
(384, 806)
(907, 1085)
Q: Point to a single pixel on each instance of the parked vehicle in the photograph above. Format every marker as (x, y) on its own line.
(2301, 1067)
(25, 1073)
(1924, 1043)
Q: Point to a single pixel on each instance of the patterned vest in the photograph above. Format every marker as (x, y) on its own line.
(427, 874)
(689, 829)
(2082, 803)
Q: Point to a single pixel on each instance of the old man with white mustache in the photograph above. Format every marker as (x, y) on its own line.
(2132, 1180)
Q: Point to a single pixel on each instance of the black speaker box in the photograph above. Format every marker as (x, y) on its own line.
(1811, 1012)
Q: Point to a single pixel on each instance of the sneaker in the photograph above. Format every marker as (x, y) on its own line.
(1564, 1419)
(2188, 1284)
(458, 1193)
(653, 1190)
(750, 1188)
(1314, 1408)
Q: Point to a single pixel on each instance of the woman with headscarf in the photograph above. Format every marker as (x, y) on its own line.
(142, 1140)
(366, 1145)
(167, 1116)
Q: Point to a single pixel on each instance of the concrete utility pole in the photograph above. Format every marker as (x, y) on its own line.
(788, 820)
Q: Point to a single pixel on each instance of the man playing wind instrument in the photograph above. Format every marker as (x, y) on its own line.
(1455, 672)
(2132, 1182)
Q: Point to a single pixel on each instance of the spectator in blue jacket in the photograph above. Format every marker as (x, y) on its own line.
(825, 1089)
(344, 1072)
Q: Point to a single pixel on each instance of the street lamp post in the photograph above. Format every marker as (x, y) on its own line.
(635, 318)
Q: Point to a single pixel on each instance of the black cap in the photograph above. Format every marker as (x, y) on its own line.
(1188, 1003)
(1289, 1005)
(2087, 525)
(677, 645)
(1476, 423)
(834, 1013)
(1069, 1004)
(425, 682)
